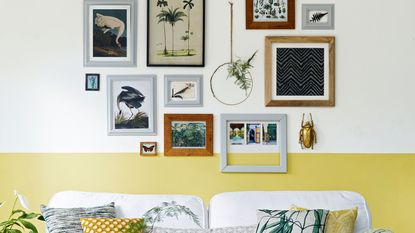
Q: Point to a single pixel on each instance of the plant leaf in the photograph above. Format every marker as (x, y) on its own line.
(29, 225)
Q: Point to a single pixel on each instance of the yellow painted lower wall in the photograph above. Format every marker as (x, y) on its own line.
(387, 181)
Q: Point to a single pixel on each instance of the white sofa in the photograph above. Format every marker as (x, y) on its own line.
(225, 209)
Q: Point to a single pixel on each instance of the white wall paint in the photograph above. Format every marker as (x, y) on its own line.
(44, 107)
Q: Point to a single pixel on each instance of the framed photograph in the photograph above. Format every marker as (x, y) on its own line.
(148, 148)
(92, 82)
(132, 105)
(188, 134)
(318, 16)
(176, 33)
(110, 33)
(183, 91)
(299, 71)
(254, 143)
(270, 14)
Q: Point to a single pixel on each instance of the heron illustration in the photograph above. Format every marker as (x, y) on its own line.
(131, 97)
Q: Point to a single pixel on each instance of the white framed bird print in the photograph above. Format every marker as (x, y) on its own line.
(132, 105)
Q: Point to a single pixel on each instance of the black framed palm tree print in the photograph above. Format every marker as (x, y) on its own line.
(175, 33)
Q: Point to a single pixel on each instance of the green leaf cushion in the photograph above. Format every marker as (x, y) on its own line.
(291, 221)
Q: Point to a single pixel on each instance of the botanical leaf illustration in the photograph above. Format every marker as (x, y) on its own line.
(318, 16)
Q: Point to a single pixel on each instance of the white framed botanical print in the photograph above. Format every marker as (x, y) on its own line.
(183, 90)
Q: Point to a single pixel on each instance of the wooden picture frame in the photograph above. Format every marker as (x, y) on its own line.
(313, 84)
(92, 82)
(110, 33)
(183, 90)
(200, 141)
(165, 45)
(266, 16)
(132, 105)
(273, 146)
(318, 16)
(148, 148)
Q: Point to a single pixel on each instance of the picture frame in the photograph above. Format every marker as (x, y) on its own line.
(165, 46)
(92, 82)
(249, 137)
(318, 16)
(148, 148)
(313, 84)
(183, 90)
(188, 134)
(262, 15)
(132, 105)
(110, 33)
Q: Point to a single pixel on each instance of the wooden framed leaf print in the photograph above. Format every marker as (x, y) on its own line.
(188, 134)
(300, 71)
(270, 14)
(176, 33)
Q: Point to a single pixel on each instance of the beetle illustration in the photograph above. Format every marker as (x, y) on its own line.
(308, 136)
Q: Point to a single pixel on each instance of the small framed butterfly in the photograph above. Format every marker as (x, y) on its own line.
(148, 148)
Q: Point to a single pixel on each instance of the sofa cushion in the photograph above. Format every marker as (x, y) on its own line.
(303, 221)
(110, 225)
(61, 220)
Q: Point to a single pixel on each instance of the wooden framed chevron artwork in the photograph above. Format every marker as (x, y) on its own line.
(300, 71)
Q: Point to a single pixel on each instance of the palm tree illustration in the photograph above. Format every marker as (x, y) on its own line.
(162, 18)
(172, 17)
(188, 4)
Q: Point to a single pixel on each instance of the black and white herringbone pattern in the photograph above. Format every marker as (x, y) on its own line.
(300, 72)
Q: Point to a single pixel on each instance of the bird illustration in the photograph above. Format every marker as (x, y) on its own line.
(131, 97)
(179, 93)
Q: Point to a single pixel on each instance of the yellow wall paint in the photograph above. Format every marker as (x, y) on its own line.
(387, 181)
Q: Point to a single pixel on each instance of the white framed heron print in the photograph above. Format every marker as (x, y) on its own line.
(132, 105)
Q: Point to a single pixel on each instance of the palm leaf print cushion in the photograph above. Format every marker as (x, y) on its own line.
(291, 221)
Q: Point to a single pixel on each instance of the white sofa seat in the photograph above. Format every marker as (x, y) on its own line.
(239, 208)
(133, 206)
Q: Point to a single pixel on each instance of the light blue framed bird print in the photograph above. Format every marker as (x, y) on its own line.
(132, 105)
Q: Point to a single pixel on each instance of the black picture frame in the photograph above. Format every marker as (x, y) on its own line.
(88, 87)
(171, 63)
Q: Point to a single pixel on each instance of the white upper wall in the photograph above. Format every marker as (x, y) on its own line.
(44, 107)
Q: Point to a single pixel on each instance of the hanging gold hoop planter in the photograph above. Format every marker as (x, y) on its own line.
(238, 70)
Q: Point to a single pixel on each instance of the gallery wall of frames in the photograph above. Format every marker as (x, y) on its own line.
(109, 75)
(299, 71)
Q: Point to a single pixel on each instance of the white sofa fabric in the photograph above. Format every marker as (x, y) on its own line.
(239, 208)
(225, 209)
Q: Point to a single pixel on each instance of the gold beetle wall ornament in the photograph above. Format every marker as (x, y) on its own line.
(308, 136)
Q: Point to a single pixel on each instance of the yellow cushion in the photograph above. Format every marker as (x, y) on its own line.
(107, 225)
(339, 221)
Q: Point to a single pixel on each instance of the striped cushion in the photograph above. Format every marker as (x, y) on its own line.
(67, 220)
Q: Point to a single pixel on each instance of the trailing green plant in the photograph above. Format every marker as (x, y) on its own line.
(239, 69)
(19, 220)
(167, 209)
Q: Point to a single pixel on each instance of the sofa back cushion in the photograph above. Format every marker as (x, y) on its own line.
(134, 206)
(240, 208)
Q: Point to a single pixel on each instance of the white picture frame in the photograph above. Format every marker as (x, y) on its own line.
(183, 90)
(280, 143)
(318, 16)
(132, 105)
(110, 33)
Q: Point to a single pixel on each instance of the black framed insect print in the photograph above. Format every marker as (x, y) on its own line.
(132, 105)
(183, 91)
(299, 71)
(318, 16)
(110, 33)
(270, 14)
(176, 33)
(148, 148)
